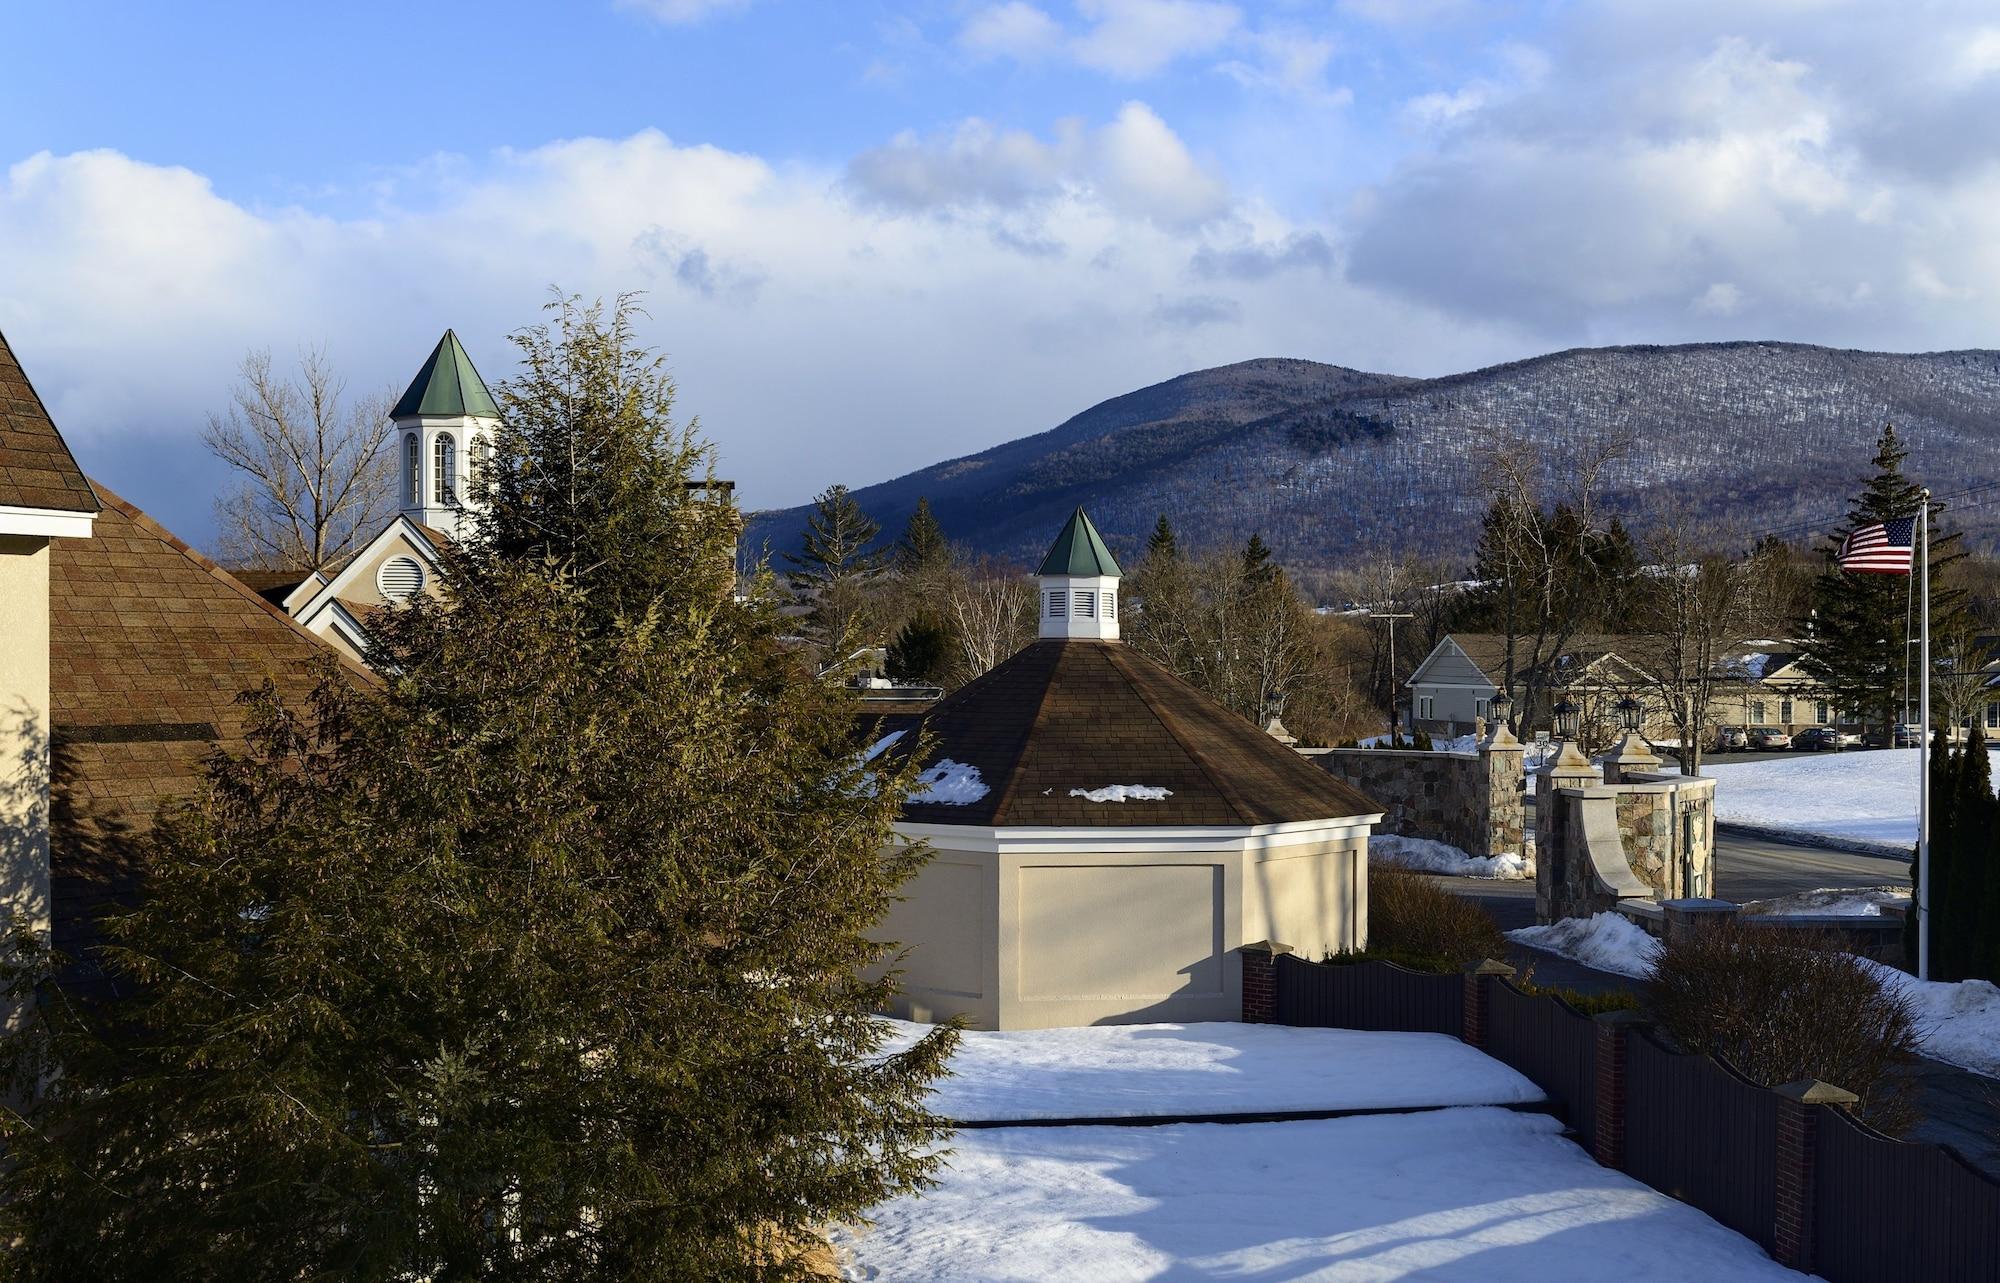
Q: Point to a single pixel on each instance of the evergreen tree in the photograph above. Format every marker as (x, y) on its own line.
(923, 649)
(833, 567)
(1161, 543)
(1856, 647)
(546, 961)
(1966, 926)
(1257, 567)
(923, 550)
(1615, 570)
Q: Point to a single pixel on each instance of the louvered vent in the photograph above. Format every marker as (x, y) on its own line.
(400, 578)
(1058, 600)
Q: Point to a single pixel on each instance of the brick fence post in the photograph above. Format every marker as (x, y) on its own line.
(1800, 1106)
(1260, 981)
(1478, 984)
(1614, 1030)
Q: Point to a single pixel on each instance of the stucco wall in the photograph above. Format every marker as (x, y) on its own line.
(24, 733)
(1077, 937)
(1471, 800)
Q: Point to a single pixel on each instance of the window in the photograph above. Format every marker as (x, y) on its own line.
(400, 578)
(1785, 712)
(1993, 717)
(1110, 601)
(1756, 712)
(1821, 713)
(1479, 706)
(444, 463)
(1058, 604)
(413, 481)
(1426, 707)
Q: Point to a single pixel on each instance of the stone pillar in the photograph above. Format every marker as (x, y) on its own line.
(1633, 756)
(1614, 1032)
(1800, 1107)
(1569, 769)
(1500, 791)
(1479, 980)
(1687, 918)
(1260, 981)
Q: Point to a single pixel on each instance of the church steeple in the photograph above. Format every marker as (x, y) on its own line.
(1079, 584)
(445, 423)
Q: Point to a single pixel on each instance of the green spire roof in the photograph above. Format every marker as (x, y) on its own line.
(1079, 550)
(447, 385)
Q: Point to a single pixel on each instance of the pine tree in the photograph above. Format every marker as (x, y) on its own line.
(1964, 890)
(923, 649)
(1855, 649)
(547, 961)
(833, 567)
(1161, 543)
(1257, 567)
(923, 550)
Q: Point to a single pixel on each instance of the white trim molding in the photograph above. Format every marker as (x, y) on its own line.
(46, 523)
(1024, 840)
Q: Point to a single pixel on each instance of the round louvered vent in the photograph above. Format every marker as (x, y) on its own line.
(400, 578)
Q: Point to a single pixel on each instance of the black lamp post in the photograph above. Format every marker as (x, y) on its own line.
(1630, 713)
(1565, 714)
(1498, 708)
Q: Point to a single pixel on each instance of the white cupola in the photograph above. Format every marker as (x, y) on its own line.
(444, 428)
(1079, 584)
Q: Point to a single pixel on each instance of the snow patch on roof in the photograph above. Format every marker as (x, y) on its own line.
(881, 746)
(949, 783)
(1124, 793)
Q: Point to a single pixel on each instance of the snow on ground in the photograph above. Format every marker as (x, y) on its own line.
(1124, 793)
(1428, 856)
(1135, 1071)
(1870, 795)
(1607, 941)
(1959, 1023)
(1840, 902)
(1457, 1196)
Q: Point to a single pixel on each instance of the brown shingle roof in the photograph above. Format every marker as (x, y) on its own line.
(36, 468)
(150, 644)
(1064, 715)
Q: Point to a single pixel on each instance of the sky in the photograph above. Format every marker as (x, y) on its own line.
(873, 235)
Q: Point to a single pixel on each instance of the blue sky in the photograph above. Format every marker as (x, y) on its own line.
(876, 234)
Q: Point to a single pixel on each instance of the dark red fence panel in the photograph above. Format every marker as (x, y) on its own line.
(1367, 995)
(1887, 1211)
(1553, 1046)
(1703, 1134)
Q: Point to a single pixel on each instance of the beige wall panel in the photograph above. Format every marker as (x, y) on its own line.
(945, 919)
(1305, 898)
(24, 733)
(1121, 932)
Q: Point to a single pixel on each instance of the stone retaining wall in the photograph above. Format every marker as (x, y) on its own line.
(1471, 800)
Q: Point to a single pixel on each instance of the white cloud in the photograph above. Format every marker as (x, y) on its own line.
(1128, 39)
(1136, 165)
(821, 336)
(681, 12)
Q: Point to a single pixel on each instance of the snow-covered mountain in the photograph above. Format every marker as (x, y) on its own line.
(1323, 461)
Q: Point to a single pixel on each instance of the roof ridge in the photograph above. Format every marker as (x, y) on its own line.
(139, 517)
(1014, 771)
(1120, 660)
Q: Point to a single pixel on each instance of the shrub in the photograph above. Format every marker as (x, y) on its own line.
(1784, 1005)
(1412, 918)
(1588, 1004)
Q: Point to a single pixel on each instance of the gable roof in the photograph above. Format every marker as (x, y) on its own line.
(1080, 550)
(1067, 714)
(447, 386)
(150, 644)
(1585, 652)
(36, 467)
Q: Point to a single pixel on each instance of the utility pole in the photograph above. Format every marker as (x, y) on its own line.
(1393, 687)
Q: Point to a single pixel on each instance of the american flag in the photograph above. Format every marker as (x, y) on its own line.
(1881, 549)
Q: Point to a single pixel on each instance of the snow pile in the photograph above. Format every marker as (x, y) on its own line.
(949, 783)
(1124, 793)
(1607, 941)
(1870, 796)
(1457, 1196)
(1133, 1071)
(1427, 856)
(1959, 1023)
(1840, 902)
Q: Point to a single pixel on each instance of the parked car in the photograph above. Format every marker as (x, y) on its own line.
(1824, 739)
(1732, 739)
(1902, 737)
(1770, 738)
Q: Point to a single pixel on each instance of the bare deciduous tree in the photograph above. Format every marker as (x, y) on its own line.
(315, 479)
(1695, 603)
(993, 609)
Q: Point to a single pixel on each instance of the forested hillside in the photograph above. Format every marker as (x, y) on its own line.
(1325, 461)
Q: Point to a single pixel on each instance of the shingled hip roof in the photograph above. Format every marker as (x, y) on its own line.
(1067, 717)
(36, 467)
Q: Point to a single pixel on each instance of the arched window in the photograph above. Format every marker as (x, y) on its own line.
(413, 481)
(444, 462)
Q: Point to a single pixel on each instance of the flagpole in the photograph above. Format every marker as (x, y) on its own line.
(1923, 905)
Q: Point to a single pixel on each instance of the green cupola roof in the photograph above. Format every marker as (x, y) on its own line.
(1079, 550)
(447, 386)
